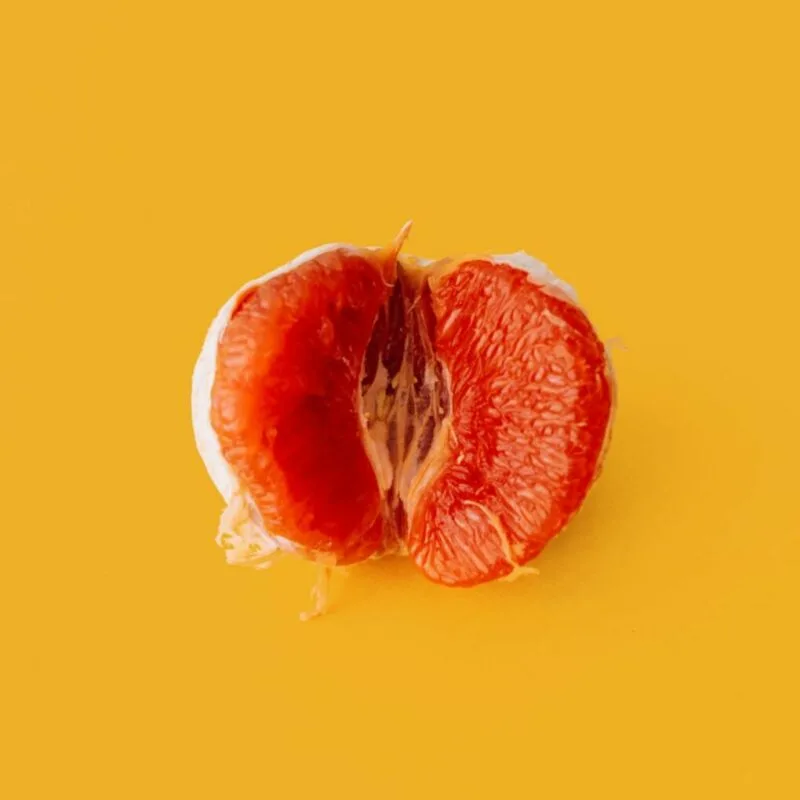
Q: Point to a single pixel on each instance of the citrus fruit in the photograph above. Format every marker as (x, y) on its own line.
(358, 402)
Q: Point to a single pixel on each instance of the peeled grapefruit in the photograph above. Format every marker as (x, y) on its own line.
(357, 402)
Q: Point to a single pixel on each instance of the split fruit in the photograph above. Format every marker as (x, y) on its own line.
(358, 402)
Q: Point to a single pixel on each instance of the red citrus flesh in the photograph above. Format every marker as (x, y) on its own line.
(365, 406)
(531, 404)
(284, 403)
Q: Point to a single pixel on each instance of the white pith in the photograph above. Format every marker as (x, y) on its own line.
(241, 531)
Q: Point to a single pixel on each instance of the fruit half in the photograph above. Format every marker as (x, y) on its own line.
(357, 402)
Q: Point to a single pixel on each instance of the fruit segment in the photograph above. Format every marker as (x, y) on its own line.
(530, 408)
(284, 403)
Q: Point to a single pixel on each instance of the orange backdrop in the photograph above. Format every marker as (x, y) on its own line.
(154, 156)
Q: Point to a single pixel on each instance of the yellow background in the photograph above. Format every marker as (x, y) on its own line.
(154, 156)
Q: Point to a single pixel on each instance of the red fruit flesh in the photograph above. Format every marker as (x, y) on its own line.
(461, 411)
(284, 403)
(531, 404)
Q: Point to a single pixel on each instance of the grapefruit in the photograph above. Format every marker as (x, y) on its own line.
(357, 402)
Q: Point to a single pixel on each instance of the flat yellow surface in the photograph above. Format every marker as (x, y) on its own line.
(154, 156)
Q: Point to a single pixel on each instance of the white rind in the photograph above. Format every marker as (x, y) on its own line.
(538, 271)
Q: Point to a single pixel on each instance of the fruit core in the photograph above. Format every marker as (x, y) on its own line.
(404, 399)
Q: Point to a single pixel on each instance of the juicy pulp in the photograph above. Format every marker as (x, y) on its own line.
(363, 403)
